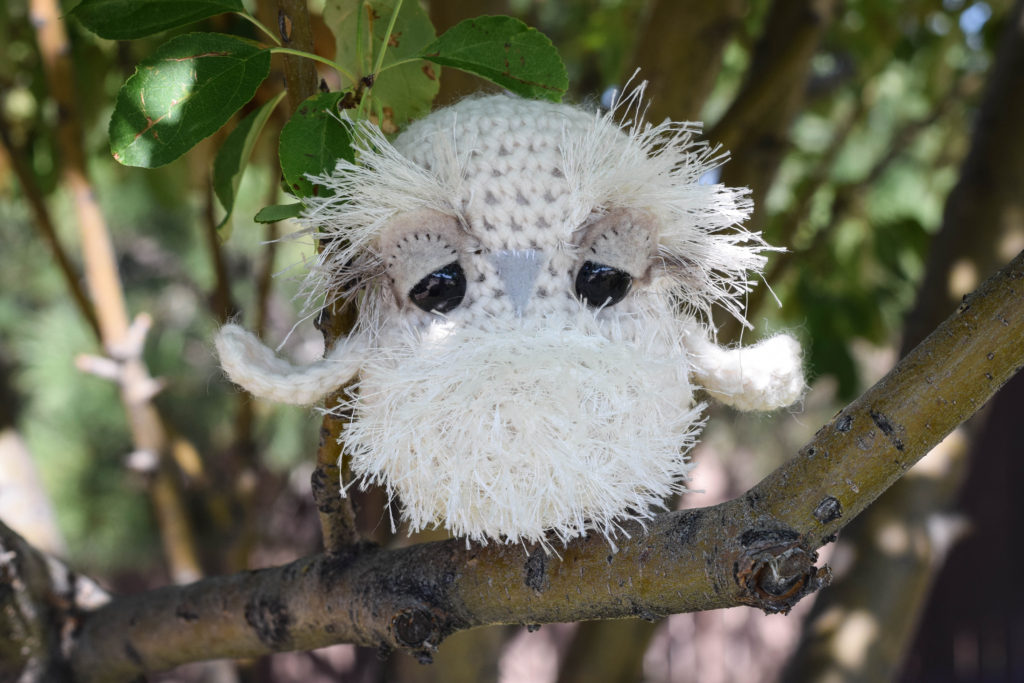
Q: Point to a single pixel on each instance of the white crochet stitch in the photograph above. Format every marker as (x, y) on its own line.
(535, 282)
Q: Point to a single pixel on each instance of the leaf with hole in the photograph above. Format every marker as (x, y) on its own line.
(400, 93)
(127, 19)
(233, 157)
(312, 142)
(506, 51)
(183, 93)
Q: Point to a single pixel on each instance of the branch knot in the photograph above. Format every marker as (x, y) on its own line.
(775, 571)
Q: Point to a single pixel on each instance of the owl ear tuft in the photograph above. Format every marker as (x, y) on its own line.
(254, 367)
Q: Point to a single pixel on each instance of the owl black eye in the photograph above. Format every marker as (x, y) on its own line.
(441, 291)
(601, 285)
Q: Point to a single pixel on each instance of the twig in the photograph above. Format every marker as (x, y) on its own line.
(148, 433)
(221, 303)
(44, 224)
(337, 518)
(265, 274)
(758, 549)
(337, 515)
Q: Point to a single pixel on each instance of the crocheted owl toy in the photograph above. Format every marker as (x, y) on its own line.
(534, 284)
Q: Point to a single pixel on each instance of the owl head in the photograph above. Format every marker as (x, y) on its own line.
(534, 283)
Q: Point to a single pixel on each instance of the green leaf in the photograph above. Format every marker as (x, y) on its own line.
(506, 51)
(278, 212)
(402, 93)
(312, 142)
(234, 156)
(184, 92)
(127, 19)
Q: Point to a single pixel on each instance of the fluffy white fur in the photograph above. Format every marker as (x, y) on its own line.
(523, 415)
(555, 424)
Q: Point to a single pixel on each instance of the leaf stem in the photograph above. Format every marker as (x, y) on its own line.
(401, 62)
(359, 38)
(259, 24)
(316, 58)
(387, 38)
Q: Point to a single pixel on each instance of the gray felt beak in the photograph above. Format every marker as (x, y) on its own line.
(518, 272)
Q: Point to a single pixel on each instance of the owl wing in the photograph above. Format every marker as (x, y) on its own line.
(254, 367)
(764, 376)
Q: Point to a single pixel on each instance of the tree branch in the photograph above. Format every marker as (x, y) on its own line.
(337, 514)
(778, 72)
(40, 601)
(682, 71)
(44, 224)
(296, 32)
(337, 517)
(758, 549)
(220, 301)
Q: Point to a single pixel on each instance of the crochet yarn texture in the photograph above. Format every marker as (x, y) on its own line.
(535, 283)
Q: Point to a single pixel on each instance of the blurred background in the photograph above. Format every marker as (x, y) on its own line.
(883, 142)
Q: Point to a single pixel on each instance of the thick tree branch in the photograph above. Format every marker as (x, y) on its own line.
(758, 549)
(40, 602)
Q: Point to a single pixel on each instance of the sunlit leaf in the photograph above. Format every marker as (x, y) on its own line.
(312, 142)
(234, 156)
(185, 91)
(403, 93)
(127, 19)
(506, 51)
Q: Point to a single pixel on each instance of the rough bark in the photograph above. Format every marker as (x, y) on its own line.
(758, 549)
(40, 604)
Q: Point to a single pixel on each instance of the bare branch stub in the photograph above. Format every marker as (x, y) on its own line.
(775, 571)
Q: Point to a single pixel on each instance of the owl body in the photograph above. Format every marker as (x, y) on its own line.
(532, 279)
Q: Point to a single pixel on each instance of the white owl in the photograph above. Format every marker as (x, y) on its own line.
(534, 284)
